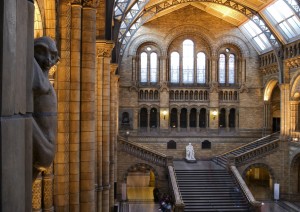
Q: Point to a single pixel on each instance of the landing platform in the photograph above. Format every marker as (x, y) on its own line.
(198, 165)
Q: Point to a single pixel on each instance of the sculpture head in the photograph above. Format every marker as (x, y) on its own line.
(45, 52)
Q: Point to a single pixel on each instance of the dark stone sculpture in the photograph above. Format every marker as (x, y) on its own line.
(45, 105)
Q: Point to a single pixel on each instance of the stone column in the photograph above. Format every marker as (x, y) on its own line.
(148, 119)
(75, 79)
(178, 120)
(188, 120)
(37, 194)
(134, 77)
(284, 110)
(227, 111)
(213, 70)
(113, 133)
(267, 117)
(163, 68)
(197, 120)
(61, 162)
(47, 192)
(104, 49)
(236, 119)
(294, 115)
(88, 107)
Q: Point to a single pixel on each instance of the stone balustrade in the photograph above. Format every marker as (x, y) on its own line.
(145, 153)
(189, 95)
(255, 205)
(178, 202)
(256, 152)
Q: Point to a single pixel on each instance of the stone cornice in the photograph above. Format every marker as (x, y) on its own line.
(90, 3)
(104, 48)
(75, 2)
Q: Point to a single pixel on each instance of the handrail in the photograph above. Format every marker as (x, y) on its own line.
(239, 159)
(179, 204)
(145, 152)
(228, 152)
(256, 205)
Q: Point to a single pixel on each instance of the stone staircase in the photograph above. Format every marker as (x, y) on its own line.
(250, 151)
(209, 187)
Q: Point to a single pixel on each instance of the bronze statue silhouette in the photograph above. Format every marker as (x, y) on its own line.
(44, 127)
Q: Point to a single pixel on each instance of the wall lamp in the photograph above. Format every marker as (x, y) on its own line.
(214, 113)
(164, 113)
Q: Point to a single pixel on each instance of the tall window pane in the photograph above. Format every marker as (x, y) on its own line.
(174, 67)
(231, 69)
(188, 61)
(222, 68)
(201, 67)
(153, 67)
(143, 67)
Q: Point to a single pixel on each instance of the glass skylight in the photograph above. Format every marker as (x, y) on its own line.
(284, 19)
(256, 36)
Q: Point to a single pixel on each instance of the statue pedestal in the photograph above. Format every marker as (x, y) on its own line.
(190, 161)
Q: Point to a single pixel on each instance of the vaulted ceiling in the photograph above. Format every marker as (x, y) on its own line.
(130, 15)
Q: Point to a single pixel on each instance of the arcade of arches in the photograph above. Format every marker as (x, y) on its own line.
(157, 75)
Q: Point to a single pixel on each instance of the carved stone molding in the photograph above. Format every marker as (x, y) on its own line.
(90, 3)
(164, 87)
(244, 88)
(75, 2)
(104, 48)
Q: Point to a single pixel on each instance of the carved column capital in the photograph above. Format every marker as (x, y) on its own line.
(90, 3)
(78, 2)
(104, 48)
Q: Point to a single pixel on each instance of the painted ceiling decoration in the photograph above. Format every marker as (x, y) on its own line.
(132, 14)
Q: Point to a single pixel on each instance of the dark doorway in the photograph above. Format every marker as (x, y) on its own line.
(183, 118)
(202, 118)
(171, 145)
(222, 120)
(153, 118)
(232, 118)
(143, 118)
(173, 119)
(276, 124)
(193, 117)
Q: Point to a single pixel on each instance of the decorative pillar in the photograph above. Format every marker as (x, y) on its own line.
(61, 161)
(47, 192)
(284, 110)
(178, 120)
(113, 132)
(197, 120)
(227, 111)
(267, 115)
(104, 49)
(163, 67)
(88, 107)
(188, 119)
(134, 76)
(294, 116)
(213, 71)
(148, 119)
(37, 194)
(76, 10)
(236, 119)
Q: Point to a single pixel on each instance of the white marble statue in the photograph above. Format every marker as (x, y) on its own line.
(190, 154)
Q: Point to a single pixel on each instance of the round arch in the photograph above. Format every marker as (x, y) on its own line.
(259, 165)
(269, 89)
(295, 82)
(141, 167)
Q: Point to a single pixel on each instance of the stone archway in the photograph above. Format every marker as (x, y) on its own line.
(295, 174)
(259, 178)
(141, 179)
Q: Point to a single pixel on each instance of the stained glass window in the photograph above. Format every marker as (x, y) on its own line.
(144, 64)
(231, 69)
(222, 68)
(153, 67)
(188, 61)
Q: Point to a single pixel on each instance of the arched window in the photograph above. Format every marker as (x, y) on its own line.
(202, 118)
(227, 67)
(222, 118)
(144, 64)
(183, 118)
(153, 67)
(201, 64)
(193, 117)
(188, 62)
(222, 68)
(153, 118)
(232, 118)
(38, 24)
(231, 69)
(175, 67)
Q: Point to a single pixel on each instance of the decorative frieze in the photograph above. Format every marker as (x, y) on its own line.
(90, 3)
(104, 48)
